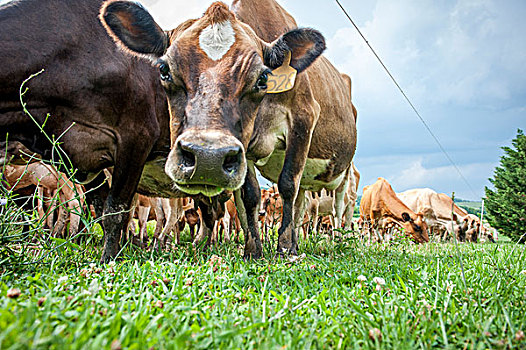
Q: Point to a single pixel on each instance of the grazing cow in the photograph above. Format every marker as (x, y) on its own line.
(192, 217)
(50, 183)
(216, 72)
(144, 213)
(174, 209)
(169, 214)
(437, 209)
(230, 223)
(379, 202)
(475, 229)
(106, 108)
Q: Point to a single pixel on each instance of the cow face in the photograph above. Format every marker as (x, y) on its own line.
(417, 228)
(215, 72)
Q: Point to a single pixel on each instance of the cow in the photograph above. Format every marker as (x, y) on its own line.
(325, 204)
(217, 72)
(271, 209)
(52, 186)
(230, 223)
(106, 108)
(440, 213)
(380, 203)
(475, 229)
(174, 209)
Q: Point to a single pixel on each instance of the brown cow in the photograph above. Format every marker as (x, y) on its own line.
(108, 108)
(326, 204)
(379, 202)
(271, 209)
(437, 209)
(230, 222)
(53, 183)
(217, 71)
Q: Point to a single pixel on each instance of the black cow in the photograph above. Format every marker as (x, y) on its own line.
(108, 108)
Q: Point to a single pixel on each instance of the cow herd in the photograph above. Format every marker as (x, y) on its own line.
(419, 214)
(186, 118)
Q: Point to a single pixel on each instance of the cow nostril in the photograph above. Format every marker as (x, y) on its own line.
(187, 158)
(232, 162)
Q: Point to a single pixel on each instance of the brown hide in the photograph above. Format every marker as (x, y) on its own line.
(70, 196)
(379, 201)
(321, 89)
(112, 103)
(215, 72)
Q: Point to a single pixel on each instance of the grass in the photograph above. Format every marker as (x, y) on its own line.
(214, 299)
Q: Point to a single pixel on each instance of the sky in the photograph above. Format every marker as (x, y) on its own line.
(461, 62)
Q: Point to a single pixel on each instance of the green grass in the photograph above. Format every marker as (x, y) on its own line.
(476, 205)
(185, 300)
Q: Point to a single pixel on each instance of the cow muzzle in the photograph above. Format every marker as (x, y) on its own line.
(207, 163)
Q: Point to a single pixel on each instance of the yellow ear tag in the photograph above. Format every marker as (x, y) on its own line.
(282, 78)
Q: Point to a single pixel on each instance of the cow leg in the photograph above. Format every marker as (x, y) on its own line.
(237, 224)
(97, 192)
(130, 227)
(60, 224)
(216, 235)
(290, 176)
(339, 203)
(248, 199)
(74, 218)
(161, 222)
(227, 225)
(207, 225)
(129, 164)
(300, 204)
(144, 213)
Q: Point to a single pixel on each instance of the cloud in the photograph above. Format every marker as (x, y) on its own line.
(412, 171)
(441, 52)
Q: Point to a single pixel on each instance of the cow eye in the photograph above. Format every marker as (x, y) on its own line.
(261, 84)
(164, 70)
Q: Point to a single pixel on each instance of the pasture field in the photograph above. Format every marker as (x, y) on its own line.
(214, 299)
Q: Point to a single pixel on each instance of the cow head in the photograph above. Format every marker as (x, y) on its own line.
(416, 228)
(215, 72)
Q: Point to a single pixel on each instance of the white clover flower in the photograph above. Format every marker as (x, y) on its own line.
(379, 280)
(62, 279)
(362, 278)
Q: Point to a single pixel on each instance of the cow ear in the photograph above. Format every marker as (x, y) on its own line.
(304, 44)
(131, 26)
(406, 217)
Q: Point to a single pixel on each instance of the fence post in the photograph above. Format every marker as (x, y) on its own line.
(481, 217)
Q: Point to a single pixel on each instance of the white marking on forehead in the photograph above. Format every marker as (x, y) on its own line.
(216, 39)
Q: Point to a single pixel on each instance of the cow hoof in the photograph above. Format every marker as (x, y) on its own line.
(252, 255)
(106, 258)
